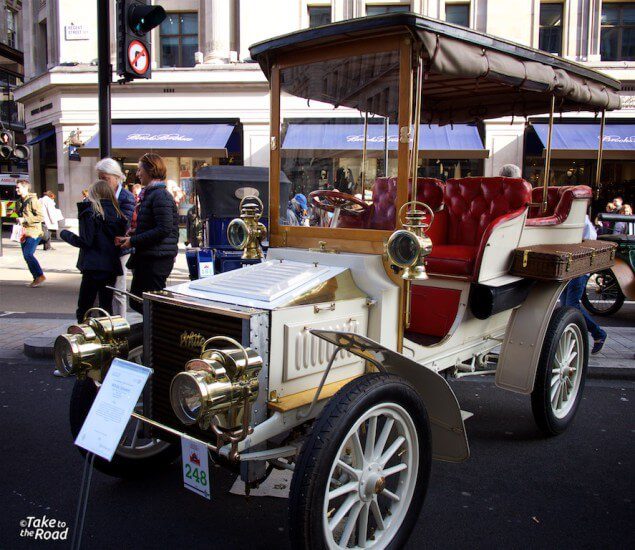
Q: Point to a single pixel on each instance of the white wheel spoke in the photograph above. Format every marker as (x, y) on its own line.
(554, 379)
(379, 519)
(391, 450)
(344, 509)
(346, 488)
(348, 469)
(350, 524)
(555, 392)
(357, 444)
(390, 495)
(362, 529)
(572, 357)
(370, 438)
(385, 433)
(394, 469)
(555, 370)
(135, 435)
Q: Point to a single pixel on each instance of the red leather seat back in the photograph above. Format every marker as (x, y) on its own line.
(473, 203)
(554, 194)
(429, 191)
(558, 212)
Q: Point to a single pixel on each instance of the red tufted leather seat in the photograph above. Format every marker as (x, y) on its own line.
(429, 191)
(474, 207)
(559, 201)
(383, 212)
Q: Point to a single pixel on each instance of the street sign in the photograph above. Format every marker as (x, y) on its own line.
(138, 57)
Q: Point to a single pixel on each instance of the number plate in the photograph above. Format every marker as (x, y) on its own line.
(195, 467)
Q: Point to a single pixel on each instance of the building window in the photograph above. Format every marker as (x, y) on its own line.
(319, 15)
(458, 14)
(179, 39)
(617, 40)
(378, 9)
(550, 34)
(12, 31)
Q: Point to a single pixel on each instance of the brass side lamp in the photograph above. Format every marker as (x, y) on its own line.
(407, 248)
(247, 232)
(92, 345)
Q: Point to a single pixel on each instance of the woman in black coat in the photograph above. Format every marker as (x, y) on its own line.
(154, 232)
(100, 222)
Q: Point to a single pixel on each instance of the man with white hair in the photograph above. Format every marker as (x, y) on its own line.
(510, 171)
(109, 170)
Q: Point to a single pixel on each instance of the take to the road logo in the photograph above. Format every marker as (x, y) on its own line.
(138, 57)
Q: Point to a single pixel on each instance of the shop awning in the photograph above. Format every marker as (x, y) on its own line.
(460, 141)
(209, 140)
(44, 135)
(580, 141)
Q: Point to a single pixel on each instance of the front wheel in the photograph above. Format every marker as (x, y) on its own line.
(362, 474)
(561, 371)
(602, 294)
(138, 453)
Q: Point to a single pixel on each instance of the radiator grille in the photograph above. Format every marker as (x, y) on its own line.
(168, 358)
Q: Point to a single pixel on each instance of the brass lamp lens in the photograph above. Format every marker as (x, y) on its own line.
(238, 234)
(186, 398)
(64, 355)
(403, 248)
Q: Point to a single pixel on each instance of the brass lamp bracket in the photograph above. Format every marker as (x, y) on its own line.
(247, 232)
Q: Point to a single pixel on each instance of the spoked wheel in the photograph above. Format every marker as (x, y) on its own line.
(362, 474)
(138, 453)
(561, 371)
(602, 294)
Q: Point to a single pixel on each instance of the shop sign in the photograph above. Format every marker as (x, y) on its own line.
(157, 137)
(76, 32)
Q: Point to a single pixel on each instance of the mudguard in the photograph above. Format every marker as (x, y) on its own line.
(449, 440)
(625, 277)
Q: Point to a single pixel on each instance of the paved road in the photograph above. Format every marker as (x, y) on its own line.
(518, 489)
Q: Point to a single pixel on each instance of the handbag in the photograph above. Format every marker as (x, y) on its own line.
(18, 233)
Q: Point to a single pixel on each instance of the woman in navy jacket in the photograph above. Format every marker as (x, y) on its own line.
(100, 221)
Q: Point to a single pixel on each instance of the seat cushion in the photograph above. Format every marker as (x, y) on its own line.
(451, 259)
(560, 211)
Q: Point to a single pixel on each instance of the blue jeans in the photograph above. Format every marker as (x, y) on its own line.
(571, 296)
(28, 251)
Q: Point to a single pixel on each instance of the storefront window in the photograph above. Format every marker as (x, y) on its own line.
(458, 14)
(617, 41)
(319, 15)
(378, 9)
(550, 36)
(179, 39)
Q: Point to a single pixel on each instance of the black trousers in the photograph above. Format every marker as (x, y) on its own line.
(148, 273)
(93, 285)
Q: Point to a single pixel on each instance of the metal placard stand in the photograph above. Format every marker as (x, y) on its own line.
(84, 491)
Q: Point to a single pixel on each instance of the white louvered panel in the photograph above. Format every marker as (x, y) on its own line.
(307, 354)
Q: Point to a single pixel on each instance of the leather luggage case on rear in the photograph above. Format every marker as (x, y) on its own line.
(562, 262)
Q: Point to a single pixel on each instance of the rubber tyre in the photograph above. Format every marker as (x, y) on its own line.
(548, 423)
(619, 302)
(313, 466)
(84, 393)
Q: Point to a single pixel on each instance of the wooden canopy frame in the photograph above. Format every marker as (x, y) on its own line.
(369, 241)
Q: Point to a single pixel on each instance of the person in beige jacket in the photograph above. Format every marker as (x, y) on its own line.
(30, 216)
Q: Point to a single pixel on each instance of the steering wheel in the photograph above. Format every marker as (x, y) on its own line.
(330, 201)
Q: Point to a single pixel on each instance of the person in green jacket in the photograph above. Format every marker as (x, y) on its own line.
(30, 216)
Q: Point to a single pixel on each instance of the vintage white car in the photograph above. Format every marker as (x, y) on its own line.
(329, 357)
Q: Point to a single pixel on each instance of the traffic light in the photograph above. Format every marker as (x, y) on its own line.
(7, 141)
(135, 19)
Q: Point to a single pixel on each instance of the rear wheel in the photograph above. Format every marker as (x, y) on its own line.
(362, 474)
(602, 294)
(138, 453)
(561, 371)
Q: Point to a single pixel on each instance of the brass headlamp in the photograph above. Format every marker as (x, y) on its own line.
(407, 248)
(92, 345)
(247, 232)
(216, 389)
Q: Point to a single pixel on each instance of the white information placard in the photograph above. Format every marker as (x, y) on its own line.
(111, 410)
(195, 467)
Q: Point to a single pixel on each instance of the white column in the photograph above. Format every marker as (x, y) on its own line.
(215, 27)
